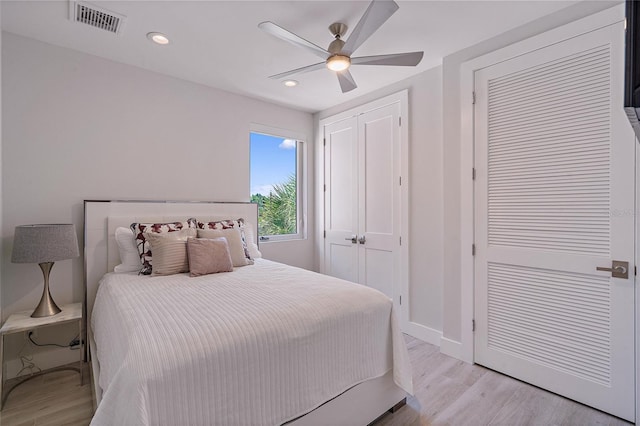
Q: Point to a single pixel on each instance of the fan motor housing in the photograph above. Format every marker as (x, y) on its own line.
(338, 29)
(336, 46)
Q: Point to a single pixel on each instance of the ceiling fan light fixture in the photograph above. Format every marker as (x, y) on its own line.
(338, 56)
(338, 62)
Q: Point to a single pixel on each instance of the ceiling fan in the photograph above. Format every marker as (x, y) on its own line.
(338, 56)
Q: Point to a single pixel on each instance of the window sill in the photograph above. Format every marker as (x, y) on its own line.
(281, 240)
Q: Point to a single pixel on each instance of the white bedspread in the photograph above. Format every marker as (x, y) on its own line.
(258, 346)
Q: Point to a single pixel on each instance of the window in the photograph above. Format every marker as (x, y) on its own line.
(277, 180)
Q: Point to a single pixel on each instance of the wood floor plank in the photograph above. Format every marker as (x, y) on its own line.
(480, 403)
(529, 406)
(534, 406)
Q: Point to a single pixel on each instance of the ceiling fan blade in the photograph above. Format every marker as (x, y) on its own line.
(301, 70)
(376, 14)
(285, 35)
(347, 83)
(410, 59)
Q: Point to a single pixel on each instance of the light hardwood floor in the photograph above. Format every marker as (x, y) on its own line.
(448, 392)
(54, 398)
(452, 392)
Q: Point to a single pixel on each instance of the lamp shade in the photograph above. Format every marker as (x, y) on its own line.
(44, 243)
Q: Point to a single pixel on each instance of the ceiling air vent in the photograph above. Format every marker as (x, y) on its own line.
(86, 13)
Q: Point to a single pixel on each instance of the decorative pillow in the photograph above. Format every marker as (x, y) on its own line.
(226, 224)
(248, 235)
(144, 251)
(221, 224)
(169, 252)
(129, 256)
(234, 240)
(208, 256)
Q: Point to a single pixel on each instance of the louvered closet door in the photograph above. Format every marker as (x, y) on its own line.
(554, 199)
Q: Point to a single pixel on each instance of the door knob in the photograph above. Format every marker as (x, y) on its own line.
(618, 269)
(353, 239)
(362, 239)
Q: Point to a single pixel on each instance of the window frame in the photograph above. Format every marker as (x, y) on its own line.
(301, 182)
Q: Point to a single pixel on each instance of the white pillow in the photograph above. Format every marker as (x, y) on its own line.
(128, 250)
(249, 239)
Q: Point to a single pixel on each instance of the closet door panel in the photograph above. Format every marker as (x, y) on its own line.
(341, 208)
(378, 141)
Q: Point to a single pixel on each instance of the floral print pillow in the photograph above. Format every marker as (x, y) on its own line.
(144, 248)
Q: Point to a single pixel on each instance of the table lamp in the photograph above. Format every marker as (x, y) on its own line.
(44, 244)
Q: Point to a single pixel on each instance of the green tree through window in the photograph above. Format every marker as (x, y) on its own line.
(277, 212)
(274, 184)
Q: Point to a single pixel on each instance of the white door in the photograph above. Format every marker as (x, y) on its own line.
(362, 198)
(379, 197)
(554, 200)
(341, 201)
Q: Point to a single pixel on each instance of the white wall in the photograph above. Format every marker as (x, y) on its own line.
(81, 127)
(425, 193)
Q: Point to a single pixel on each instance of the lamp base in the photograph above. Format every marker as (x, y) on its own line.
(47, 307)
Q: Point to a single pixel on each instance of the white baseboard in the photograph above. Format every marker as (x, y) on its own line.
(451, 348)
(424, 333)
(50, 358)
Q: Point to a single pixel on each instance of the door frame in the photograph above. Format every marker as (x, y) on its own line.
(465, 348)
(402, 98)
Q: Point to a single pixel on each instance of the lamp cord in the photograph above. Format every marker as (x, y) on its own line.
(52, 344)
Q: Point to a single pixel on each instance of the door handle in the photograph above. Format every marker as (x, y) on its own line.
(618, 269)
(362, 239)
(353, 239)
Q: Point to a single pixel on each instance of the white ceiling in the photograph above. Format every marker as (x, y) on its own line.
(218, 43)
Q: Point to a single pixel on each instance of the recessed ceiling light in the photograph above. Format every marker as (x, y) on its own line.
(290, 83)
(158, 38)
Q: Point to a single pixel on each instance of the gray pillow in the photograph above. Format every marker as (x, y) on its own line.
(208, 256)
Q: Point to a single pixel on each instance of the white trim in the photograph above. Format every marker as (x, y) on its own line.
(319, 191)
(466, 216)
(637, 301)
(276, 131)
(424, 333)
(467, 71)
(369, 106)
(404, 211)
(402, 98)
(451, 348)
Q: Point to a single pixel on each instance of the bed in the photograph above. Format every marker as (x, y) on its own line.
(264, 344)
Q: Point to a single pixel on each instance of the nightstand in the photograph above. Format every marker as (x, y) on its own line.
(22, 321)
